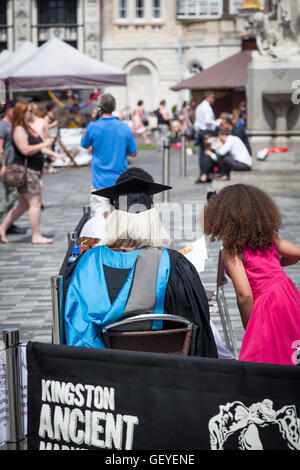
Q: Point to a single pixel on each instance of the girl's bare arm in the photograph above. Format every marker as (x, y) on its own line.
(244, 297)
(289, 252)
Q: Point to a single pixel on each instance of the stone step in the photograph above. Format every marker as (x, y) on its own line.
(271, 181)
(274, 175)
(289, 156)
(275, 165)
(278, 161)
(268, 187)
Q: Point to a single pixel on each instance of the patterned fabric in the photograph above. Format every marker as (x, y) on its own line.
(33, 182)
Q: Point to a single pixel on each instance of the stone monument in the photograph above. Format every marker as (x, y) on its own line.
(273, 87)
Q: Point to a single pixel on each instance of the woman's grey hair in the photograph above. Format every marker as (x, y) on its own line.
(135, 231)
(107, 103)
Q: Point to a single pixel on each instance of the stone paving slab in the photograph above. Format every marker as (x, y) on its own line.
(25, 269)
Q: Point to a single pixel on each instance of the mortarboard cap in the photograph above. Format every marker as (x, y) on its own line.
(136, 191)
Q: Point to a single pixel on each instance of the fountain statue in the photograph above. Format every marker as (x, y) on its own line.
(273, 117)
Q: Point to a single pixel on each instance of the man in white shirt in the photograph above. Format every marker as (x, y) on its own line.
(232, 155)
(204, 114)
(205, 124)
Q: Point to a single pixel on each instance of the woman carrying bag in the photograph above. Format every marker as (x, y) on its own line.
(28, 148)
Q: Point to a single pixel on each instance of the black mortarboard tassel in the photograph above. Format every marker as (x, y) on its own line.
(137, 194)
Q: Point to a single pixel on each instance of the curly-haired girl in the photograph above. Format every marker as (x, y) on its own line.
(246, 220)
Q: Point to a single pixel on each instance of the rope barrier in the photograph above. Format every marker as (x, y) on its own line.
(70, 108)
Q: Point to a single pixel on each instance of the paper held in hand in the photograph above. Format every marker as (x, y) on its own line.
(196, 253)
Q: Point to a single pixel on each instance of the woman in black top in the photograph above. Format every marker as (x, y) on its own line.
(28, 145)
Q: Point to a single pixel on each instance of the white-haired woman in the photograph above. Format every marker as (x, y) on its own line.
(133, 270)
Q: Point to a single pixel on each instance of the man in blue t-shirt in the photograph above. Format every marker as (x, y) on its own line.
(111, 140)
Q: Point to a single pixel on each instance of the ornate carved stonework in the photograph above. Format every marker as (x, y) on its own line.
(22, 21)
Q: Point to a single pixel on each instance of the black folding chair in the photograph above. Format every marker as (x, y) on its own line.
(129, 334)
(229, 336)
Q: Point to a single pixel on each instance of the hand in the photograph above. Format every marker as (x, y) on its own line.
(2, 171)
(60, 157)
(49, 142)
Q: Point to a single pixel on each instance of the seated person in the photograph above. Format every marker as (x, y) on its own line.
(232, 155)
(132, 271)
(237, 131)
(208, 161)
(95, 227)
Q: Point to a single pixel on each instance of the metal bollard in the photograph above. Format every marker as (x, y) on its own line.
(12, 344)
(56, 301)
(71, 237)
(183, 155)
(166, 168)
(298, 356)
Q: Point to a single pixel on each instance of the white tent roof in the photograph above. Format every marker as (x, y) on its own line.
(17, 58)
(5, 55)
(57, 65)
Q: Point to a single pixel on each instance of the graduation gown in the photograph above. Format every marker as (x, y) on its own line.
(183, 294)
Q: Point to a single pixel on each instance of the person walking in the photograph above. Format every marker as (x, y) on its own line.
(139, 118)
(6, 158)
(27, 144)
(205, 125)
(247, 222)
(111, 141)
(164, 123)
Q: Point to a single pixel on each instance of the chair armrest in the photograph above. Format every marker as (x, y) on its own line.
(151, 316)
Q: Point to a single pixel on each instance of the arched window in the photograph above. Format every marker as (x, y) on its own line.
(140, 86)
(140, 70)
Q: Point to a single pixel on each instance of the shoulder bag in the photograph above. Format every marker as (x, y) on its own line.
(15, 175)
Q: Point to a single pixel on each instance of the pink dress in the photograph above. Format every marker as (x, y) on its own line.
(273, 330)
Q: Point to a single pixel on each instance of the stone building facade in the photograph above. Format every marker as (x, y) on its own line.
(156, 42)
(158, 49)
(74, 21)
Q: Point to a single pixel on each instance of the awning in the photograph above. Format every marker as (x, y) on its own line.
(227, 74)
(57, 65)
(12, 60)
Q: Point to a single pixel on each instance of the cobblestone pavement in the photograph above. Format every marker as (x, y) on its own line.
(25, 269)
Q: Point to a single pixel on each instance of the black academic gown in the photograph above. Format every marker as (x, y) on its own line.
(185, 296)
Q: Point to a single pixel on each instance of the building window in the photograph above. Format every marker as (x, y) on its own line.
(156, 9)
(71, 43)
(197, 9)
(57, 12)
(123, 10)
(3, 12)
(139, 9)
(3, 25)
(235, 5)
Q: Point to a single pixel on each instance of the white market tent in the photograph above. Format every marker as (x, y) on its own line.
(4, 56)
(57, 65)
(16, 59)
